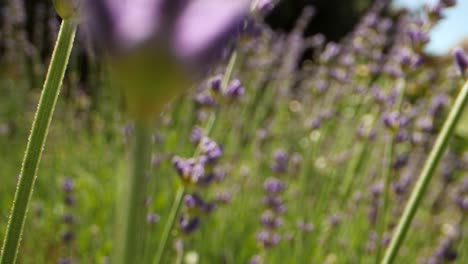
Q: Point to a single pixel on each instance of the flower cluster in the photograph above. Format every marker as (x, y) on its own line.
(198, 173)
(215, 94)
(68, 236)
(271, 219)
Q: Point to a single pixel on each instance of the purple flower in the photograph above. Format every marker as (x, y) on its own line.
(190, 30)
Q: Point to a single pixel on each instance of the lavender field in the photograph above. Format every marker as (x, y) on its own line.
(193, 132)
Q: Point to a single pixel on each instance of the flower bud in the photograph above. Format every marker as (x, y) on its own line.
(66, 8)
(461, 60)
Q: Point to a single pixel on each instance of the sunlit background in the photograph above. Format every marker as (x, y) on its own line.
(450, 31)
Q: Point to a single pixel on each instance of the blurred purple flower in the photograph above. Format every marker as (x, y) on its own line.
(188, 225)
(274, 186)
(192, 31)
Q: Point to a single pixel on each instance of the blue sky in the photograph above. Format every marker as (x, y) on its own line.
(449, 31)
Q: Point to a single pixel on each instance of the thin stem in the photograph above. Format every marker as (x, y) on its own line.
(36, 142)
(382, 222)
(169, 224)
(131, 222)
(388, 175)
(426, 175)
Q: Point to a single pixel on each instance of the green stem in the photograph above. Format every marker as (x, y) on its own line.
(382, 222)
(169, 224)
(131, 222)
(388, 173)
(36, 142)
(426, 174)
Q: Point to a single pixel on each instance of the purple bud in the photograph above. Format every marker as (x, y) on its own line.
(280, 163)
(68, 237)
(190, 201)
(215, 83)
(461, 60)
(401, 136)
(63, 260)
(400, 161)
(306, 227)
(70, 200)
(391, 120)
(234, 89)
(210, 149)
(462, 203)
(272, 201)
(152, 218)
(274, 186)
(255, 260)
(68, 219)
(270, 221)
(188, 225)
(267, 239)
(196, 135)
(68, 185)
(314, 123)
(204, 99)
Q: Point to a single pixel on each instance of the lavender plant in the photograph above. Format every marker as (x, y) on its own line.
(345, 127)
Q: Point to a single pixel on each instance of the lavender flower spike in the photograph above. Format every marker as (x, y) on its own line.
(155, 47)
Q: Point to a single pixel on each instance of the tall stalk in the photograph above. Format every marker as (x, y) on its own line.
(36, 141)
(131, 212)
(426, 174)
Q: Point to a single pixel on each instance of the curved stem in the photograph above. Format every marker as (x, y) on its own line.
(36, 142)
(426, 175)
(131, 222)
